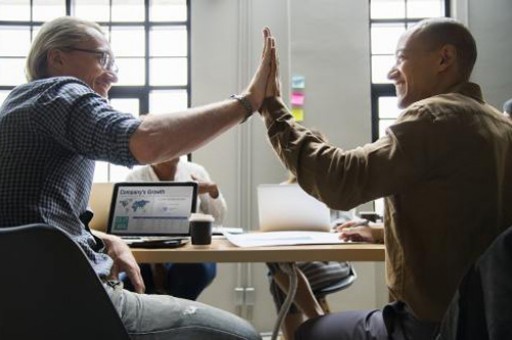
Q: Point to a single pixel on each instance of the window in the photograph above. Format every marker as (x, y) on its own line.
(150, 39)
(388, 20)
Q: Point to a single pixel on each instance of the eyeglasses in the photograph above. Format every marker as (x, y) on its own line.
(106, 59)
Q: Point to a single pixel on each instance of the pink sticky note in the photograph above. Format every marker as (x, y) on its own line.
(297, 98)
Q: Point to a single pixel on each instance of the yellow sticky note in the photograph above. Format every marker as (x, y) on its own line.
(298, 113)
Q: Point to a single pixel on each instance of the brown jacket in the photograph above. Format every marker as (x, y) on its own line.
(445, 169)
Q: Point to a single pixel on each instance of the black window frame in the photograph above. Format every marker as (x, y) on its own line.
(379, 90)
(139, 92)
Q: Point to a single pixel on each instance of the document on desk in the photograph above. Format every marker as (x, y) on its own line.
(282, 238)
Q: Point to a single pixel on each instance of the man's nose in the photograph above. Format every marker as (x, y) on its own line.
(112, 76)
(392, 74)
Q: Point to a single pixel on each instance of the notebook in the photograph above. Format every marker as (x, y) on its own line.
(283, 207)
(149, 211)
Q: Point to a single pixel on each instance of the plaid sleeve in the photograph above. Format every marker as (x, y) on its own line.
(78, 119)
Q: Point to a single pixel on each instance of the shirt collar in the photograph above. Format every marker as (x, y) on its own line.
(468, 89)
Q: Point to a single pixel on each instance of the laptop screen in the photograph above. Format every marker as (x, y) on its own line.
(152, 208)
(287, 207)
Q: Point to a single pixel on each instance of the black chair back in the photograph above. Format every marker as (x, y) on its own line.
(482, 306)
(48, 289)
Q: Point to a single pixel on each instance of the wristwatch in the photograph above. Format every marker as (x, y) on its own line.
(245, 103)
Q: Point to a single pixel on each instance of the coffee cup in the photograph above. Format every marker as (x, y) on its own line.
(201, 229)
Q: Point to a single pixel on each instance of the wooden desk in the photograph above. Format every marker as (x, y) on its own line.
(221, 250)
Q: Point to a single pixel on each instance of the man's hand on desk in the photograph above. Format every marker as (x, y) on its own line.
(124, 261)
(356, 231)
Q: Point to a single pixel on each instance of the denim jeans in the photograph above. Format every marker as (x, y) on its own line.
(183, 280)
(166, 317)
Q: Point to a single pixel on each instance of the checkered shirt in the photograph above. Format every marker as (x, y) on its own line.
(51, 132)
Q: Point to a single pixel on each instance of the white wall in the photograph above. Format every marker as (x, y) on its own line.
(327, 42)
(491, 23)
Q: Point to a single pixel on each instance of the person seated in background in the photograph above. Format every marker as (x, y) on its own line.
(507, 108)
(184, 280)
(312, 276)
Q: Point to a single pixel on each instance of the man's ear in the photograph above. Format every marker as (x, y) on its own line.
(55, 59)
(447, 57)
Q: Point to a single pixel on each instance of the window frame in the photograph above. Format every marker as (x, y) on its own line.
(378, 90)
(139, 92)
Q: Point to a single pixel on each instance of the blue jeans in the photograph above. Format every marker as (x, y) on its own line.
(182, 280)
(159, 317)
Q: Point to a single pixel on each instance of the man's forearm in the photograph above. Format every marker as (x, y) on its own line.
(162, 137)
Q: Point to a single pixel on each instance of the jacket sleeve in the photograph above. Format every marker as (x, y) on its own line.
(343, 179)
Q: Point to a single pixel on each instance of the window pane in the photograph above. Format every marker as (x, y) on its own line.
(425, 8)
(168, 41)
(168, 71)
(128, 10)
(128, 41)
(101, 172)
(131, 71)
(388, 107)
(385, 37)
(15, 10)
(386, 9)
(45, 10)
(126, 105)
(165, 101)
(3, 95)
(12, 71)
(14, 41)
(383, 125)
(35, 31)
(380, 68)
(95, 10)
(168, 10)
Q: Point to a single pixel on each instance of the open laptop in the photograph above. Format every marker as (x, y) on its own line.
(283, 207)
(151, 211)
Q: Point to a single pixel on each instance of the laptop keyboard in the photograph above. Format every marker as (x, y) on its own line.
(149, 238)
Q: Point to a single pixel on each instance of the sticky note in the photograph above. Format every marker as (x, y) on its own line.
(298, 113)
(297, 98)
(298, 82)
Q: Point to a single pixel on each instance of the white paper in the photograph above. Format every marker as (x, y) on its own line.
(283, 238)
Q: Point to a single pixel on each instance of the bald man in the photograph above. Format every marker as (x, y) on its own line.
(444, 168)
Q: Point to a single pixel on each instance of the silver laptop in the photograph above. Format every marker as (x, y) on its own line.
(150, 211)
(287, 207)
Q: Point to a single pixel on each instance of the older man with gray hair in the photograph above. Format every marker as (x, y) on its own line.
(54, 128)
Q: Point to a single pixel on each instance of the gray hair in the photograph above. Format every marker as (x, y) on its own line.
(60, 33)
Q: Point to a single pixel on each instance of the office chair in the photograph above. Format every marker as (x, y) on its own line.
(48, 289)
(482, 306)
(344, 283)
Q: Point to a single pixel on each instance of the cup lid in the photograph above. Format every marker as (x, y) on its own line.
(198, 217)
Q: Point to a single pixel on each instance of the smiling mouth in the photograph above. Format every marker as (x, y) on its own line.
(104, 86)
